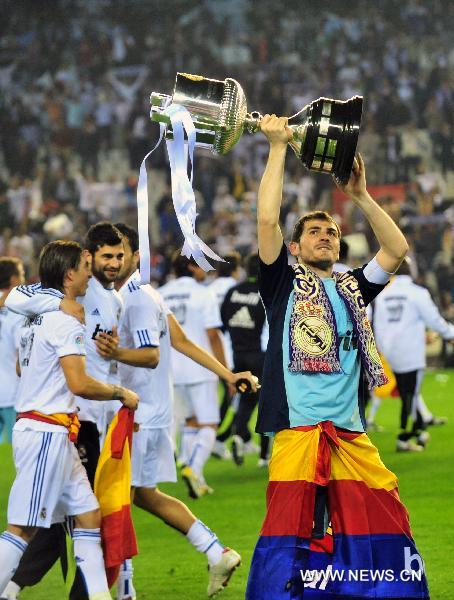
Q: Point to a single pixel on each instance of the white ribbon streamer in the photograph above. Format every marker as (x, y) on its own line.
(183, 197)
(142, 217)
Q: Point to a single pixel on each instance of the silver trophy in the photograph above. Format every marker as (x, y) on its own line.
(325, 132)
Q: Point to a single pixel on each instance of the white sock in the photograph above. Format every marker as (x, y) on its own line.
(11, 549)
(422, 407)
(204, 540)
(11, 591)
(187, 439)
(125, 588)
(375, 405)
(89, 558)
(201, 451)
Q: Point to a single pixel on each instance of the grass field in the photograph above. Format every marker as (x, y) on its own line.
(168, 568)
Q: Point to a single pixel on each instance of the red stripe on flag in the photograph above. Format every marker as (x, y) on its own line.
(359, 510)
(290, 508)
(123, 429)
(114, 527)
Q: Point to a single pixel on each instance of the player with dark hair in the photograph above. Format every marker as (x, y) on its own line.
(331, 503)
(148, 331)
(102, 307)
(50, 480)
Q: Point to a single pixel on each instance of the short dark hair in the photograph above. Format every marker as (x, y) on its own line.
(180, 264)
(9, 267)
(231, 264)
(130, 233)
(55, 260)
(320, 215)
(252, 265)
(103, 233)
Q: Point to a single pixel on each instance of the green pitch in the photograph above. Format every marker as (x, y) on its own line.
(168, 567)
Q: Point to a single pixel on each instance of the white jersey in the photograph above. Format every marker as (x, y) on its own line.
(402, 312)
(220, 286)
(144, 324)
(44, 340)
(103, 308)
(10, 324)
(196, 309)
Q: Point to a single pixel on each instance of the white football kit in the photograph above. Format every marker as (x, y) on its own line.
(144, 324)
(103, 309)
(402, 312)
(50, 481)
(196, 309)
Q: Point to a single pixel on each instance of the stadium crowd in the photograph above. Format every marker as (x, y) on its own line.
(75, 79)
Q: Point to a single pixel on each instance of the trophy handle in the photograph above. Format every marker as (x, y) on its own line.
(252, 121)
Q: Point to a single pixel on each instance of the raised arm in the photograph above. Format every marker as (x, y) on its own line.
(270, 191)
(393, 245)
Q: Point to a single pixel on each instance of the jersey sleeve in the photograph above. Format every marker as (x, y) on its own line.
(275, 279)
(211, 313)
(369, 290)
(70, 338)
(30, 300)
(145, 322)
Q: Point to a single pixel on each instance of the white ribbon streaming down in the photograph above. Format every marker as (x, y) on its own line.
(183, 197)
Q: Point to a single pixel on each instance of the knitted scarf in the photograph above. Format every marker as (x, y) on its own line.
(313, 333)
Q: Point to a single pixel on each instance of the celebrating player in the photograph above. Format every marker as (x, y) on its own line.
(148, 330)
(331, 503)
(50, 481)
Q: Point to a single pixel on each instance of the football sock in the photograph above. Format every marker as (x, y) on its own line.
(201, 451)
(11, 549)
(204, 540)
(11, 592)
(125, 588)
(375, 405)
(89, 558)
(422, 407)
(188, 436)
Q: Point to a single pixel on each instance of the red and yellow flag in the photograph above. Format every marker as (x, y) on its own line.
(113, 491)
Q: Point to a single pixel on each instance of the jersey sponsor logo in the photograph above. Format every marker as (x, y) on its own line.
(79, 340)
(43, 514)
(349, 341)
(242, 319)
(95, 312)
(99, 329)
(251, 298)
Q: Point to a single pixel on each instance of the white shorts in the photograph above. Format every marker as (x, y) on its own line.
(50, 483)
(152, 457)
(198, 400)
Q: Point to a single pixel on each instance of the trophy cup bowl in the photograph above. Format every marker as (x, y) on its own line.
(325, 132)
